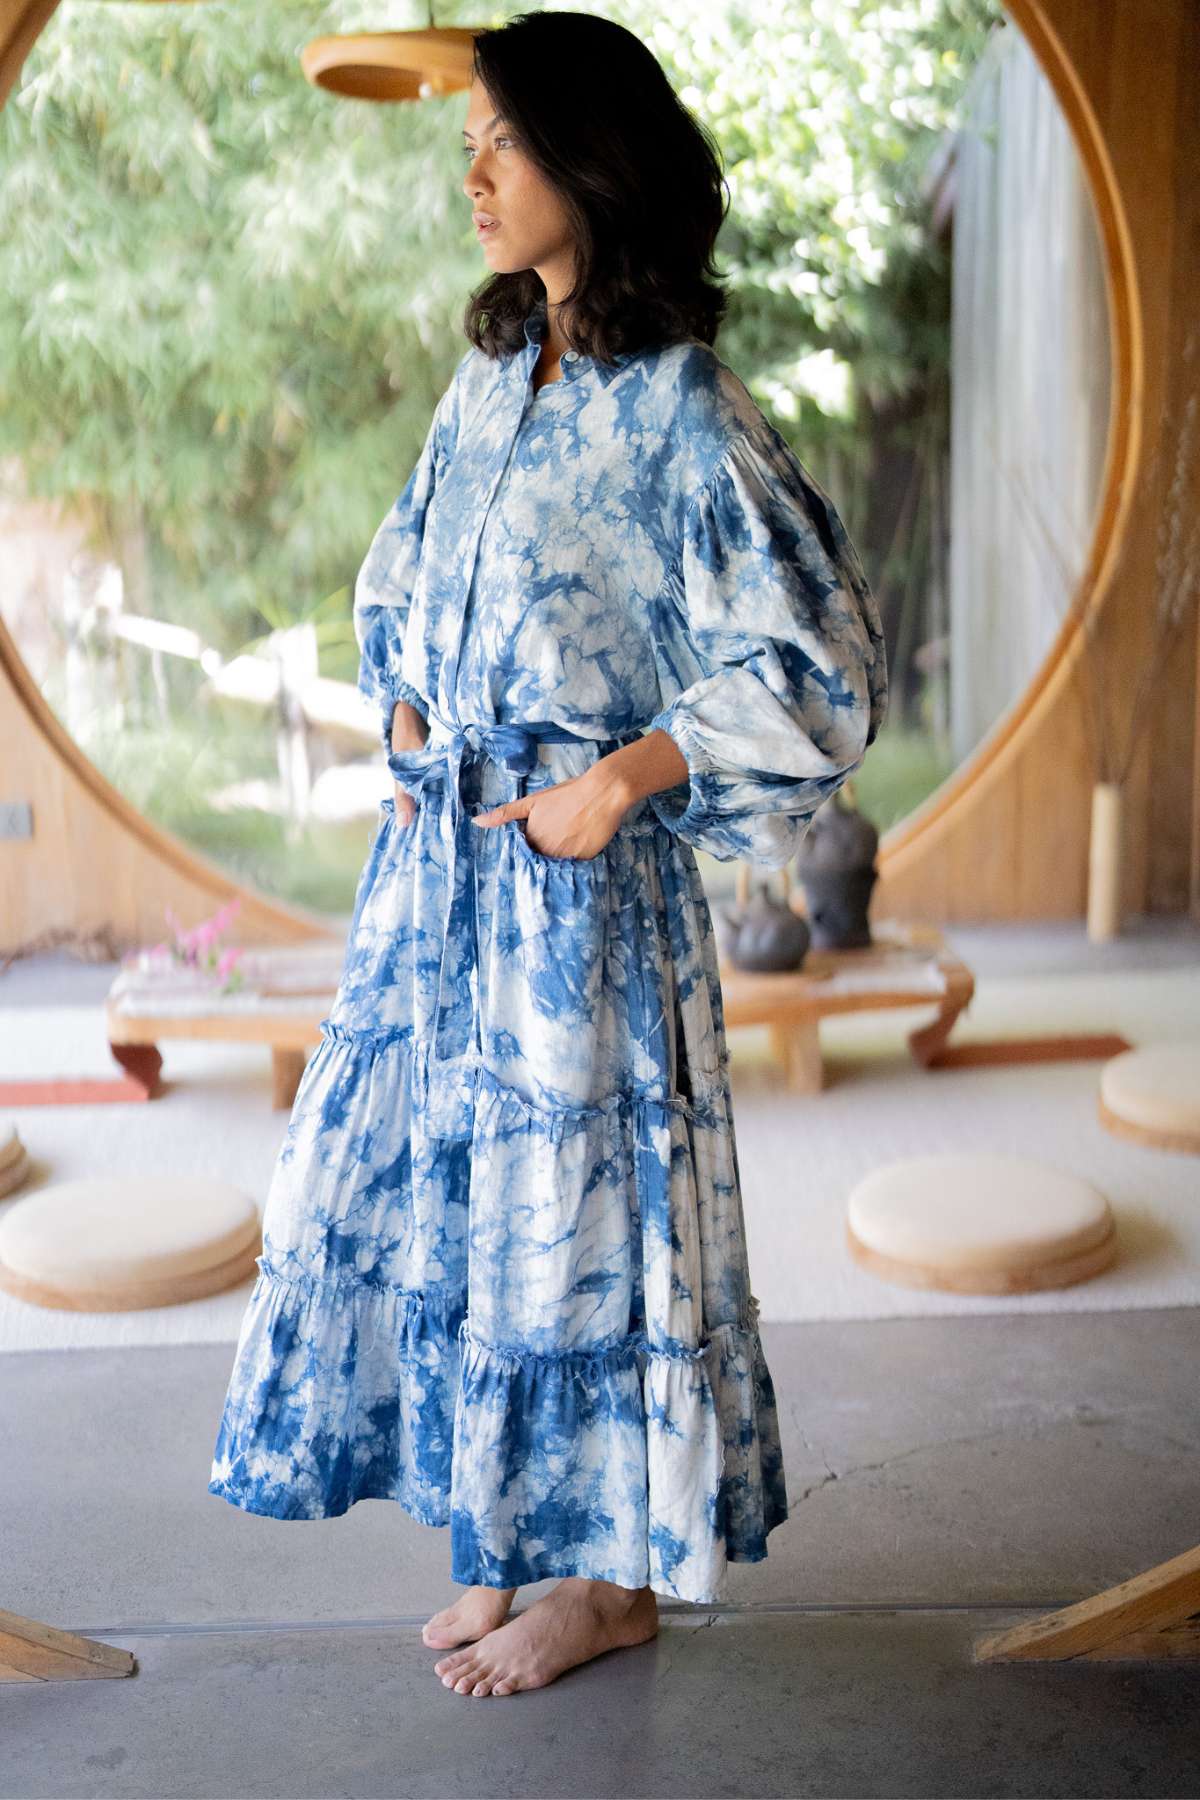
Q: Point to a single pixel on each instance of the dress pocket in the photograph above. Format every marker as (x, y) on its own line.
(562, 914)
(542, 857)
(562, 990)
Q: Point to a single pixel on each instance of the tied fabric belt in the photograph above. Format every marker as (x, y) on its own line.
(439, 763)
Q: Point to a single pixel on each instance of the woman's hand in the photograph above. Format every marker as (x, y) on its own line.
(406, 806)
(571, 818)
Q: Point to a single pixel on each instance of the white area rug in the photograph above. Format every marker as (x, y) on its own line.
(800, 1156)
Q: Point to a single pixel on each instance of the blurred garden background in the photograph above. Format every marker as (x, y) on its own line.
(229, 302)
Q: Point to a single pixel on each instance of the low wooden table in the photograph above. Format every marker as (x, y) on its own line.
(291, 991)
(288, 993)
(906, 965)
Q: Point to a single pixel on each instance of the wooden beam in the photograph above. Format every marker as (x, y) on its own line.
(32, 1651)
(1151, 1616)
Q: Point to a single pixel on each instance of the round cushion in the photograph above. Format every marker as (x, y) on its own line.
(1152, 1094)
(118, 1244)
(979, 1222)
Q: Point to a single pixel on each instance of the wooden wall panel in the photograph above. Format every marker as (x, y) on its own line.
(1171, 814)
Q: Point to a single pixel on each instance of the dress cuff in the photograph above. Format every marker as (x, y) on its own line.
(394, 690)
(689, 807)
(700, 813)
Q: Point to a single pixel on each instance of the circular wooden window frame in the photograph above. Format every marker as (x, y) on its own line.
(989, 760)
(907, 847)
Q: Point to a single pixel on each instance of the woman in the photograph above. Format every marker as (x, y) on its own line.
(610, 620)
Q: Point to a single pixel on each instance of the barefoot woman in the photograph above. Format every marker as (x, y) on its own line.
(610, 620)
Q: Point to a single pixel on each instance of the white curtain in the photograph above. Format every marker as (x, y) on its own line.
(1030, 384)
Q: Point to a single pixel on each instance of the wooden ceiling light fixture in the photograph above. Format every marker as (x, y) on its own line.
(392, 65)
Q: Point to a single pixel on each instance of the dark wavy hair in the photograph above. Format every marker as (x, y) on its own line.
(640, 177)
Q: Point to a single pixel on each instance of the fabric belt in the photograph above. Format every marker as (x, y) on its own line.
(439, 763)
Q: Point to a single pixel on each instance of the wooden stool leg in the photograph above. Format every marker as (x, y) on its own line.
(142, 1062)
(287, 1066)
(928, 1042)
(797, 1045)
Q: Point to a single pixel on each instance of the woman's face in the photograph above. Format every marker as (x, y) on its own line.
(531, 230)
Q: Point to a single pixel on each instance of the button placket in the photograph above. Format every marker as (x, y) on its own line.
(516, 397)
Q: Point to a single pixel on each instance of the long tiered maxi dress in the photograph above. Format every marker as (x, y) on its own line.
(504, 1277)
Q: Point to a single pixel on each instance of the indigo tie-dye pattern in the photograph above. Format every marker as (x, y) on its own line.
(504, 1278)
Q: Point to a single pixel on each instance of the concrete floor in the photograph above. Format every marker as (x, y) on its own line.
(947, 1478)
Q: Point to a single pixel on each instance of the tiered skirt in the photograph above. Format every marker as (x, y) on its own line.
(504, 1278)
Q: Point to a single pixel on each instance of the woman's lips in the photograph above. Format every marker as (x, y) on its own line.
(483, 230)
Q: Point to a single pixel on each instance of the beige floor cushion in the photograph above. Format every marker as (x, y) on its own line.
(120, 1243)
(1152, 1095)
(979, 1222)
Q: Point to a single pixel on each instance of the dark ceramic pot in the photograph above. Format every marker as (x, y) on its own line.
(837, 902)
(764, 936)
(836, 868)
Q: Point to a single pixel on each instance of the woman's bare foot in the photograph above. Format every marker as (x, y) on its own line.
(473, 1614)
(576, 1620)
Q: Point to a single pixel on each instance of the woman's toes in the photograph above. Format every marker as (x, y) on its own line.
(465, 1682)
(444, 1664)
(506, 1685)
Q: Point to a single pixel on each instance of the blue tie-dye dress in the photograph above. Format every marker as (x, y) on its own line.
(504, 1278)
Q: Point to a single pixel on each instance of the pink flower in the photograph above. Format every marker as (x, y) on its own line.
(222, 917)
(197, 947)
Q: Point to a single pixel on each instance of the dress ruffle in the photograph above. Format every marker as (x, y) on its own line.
(648, 1453)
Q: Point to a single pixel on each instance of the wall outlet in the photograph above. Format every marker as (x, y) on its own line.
(16, 819)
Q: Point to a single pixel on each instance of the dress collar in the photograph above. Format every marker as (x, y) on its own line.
(574, 362)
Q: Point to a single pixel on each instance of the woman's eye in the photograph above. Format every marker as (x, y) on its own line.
(469, 148)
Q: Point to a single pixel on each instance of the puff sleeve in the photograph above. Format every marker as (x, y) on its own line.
(771, 661)
(383, 588)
